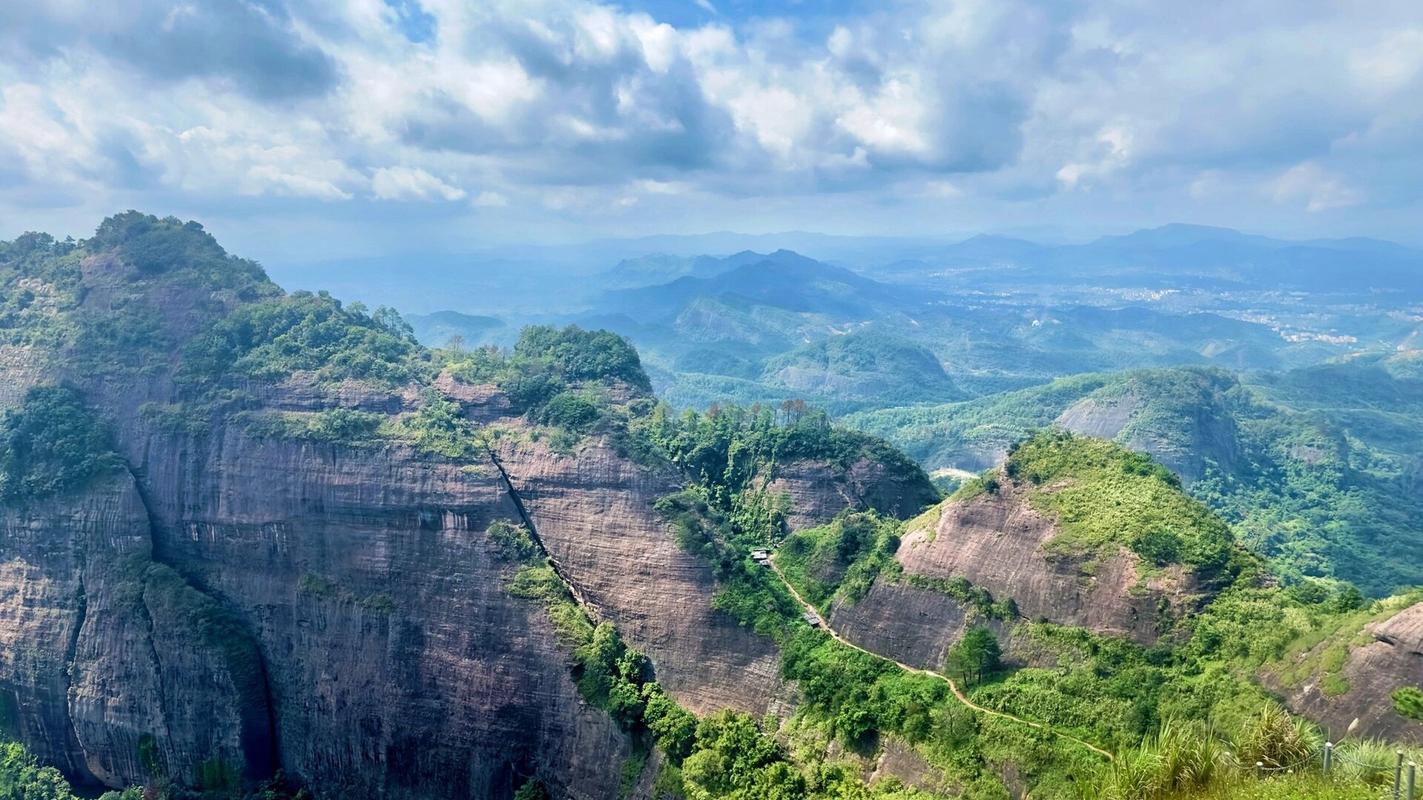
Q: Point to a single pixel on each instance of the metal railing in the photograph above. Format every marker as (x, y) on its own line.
(1405, 772)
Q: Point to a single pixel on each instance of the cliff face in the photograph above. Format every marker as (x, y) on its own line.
(1180, 417)
(996, 541)
(1389, 657)
(594, 513)
(351, 627)
(819, 490)
(235, 600)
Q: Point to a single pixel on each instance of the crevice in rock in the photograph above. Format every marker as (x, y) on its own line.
(267, 758)
(79, 763)
(578, 596)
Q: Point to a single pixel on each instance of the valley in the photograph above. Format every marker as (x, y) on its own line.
(259, 541)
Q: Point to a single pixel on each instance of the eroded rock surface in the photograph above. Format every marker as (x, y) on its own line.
(1391, 658)
(996, 541)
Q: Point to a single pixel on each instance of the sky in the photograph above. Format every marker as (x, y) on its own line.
(304, 129)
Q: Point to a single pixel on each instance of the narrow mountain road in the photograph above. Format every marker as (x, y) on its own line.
(953, 687)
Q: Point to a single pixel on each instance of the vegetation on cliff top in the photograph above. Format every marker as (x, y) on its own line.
(1104, 495)
(274, 338)
(52, 442)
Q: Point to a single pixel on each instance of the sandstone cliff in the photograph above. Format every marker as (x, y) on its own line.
(1386, 656)
(997, 542)
(239, 598)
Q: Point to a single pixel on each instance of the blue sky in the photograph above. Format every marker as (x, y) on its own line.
(299, 129)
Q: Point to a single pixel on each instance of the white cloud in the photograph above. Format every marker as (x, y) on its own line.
(488, 199)
(410, 183)
(584, 107)
(1317, 189)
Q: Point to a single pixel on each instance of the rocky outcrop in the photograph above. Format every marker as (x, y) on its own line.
(1389, 658)
(1178, 416)
(819, 489)
(996, 541)
(399, 665)
(907, 623)
(106, 654)
(594, 512)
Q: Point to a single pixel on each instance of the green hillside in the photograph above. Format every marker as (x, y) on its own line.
(1318, 469)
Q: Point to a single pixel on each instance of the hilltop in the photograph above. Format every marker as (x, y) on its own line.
(1315, 467)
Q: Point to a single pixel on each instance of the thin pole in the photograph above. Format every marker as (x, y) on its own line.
(1398, 776)
(1260, 769)
(1412, 768)
(1328, 756)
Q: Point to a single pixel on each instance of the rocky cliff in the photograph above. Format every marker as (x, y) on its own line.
(998, 541)
(287, 565)
(1385, 656)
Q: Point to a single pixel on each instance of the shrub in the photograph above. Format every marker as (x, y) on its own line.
(1408, 702)
(51, 443)
(571, 411)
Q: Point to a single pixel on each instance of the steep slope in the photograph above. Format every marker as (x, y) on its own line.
(1313, 466)
(1364, 671)
(1075, 532)
(288, 561)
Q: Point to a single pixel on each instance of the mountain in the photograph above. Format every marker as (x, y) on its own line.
(437, 329)
(1316, 467)
(247, 530)
(783, 280)
(260, 543)
(1179, 255)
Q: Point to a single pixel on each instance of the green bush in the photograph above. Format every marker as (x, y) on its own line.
(22, 777)
(1408, 702)
(437, 427)
(51, 443)
(572, 411)
(307, 332)
(975, 656)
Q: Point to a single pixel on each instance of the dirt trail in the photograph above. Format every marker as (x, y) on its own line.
(953, 687)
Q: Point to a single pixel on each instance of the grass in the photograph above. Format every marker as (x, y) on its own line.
(1105, 496)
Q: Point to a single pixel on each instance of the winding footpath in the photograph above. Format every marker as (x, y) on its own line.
(953, 687)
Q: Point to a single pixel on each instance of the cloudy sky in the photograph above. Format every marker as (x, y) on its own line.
(296, 129)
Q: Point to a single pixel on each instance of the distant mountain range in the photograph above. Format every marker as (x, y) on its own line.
(1183, 255)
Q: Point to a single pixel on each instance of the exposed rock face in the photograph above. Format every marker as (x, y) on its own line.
(594, 512)
(907, 623)
(1391, 660)
(396, 664)
(819, 490)
(996, 541)
(1184, 424)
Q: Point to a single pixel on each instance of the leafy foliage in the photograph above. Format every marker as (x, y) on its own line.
(1408, 702)
(576, 355)
(1103, 494)
(437, 427)
(334, 425)
(305, 332)
(154, 245)
(51, 443)
(974, 656)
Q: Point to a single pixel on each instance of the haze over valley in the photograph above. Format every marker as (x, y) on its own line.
(711, 400)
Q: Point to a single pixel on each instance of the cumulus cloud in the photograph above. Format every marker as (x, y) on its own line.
(410, 183)
(585, 107)
(1311, 184)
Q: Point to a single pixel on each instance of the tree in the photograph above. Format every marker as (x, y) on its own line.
(976, 655)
